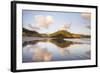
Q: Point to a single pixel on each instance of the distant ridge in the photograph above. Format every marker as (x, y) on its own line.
(57, 34)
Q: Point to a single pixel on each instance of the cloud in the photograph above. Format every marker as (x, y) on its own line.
(65, 26)
(49, 20)
(43, 21)
(31, 27)
(86, 15)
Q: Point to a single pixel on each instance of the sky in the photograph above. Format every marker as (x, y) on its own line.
(50, 21)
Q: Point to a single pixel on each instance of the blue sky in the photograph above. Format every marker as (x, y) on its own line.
(77, 21)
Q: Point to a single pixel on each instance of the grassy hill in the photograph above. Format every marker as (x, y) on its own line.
(67, 34)
(58, 34)
(61, 34)
(27, 32)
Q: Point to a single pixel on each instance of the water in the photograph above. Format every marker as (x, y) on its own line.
(44, 50)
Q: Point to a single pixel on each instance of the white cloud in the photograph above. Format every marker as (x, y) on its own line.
(65, 26)
(30, 27)
(49, 20)
(43, 21)
(86, 15)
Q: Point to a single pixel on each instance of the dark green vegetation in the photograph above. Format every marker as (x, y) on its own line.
(30, 33)
(58, 34)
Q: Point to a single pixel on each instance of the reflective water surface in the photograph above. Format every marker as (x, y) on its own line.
(44, 50)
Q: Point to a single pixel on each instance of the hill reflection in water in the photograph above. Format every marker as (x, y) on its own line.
(45, 50)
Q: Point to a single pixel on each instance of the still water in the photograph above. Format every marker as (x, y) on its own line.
(44, 50)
